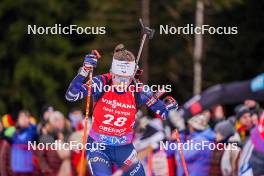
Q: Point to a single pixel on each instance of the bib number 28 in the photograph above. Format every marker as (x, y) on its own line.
(120, 121)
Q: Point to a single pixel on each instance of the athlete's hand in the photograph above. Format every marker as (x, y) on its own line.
(90, 62)
(171, 103)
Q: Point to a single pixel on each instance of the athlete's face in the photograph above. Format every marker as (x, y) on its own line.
(121, 81)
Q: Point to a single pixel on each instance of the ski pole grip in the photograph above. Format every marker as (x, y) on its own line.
(96, 53)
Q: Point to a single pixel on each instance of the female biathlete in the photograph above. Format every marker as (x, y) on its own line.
(114, 112)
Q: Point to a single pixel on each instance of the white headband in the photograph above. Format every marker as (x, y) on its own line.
(123, 68)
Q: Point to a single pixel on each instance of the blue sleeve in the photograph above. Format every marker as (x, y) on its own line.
(24, 137)
(158, 107)
(190, 154)
(78, 90)
(32, 133)
(198, 150)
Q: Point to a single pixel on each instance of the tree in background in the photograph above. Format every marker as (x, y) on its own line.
(35, 68)
(198, 49)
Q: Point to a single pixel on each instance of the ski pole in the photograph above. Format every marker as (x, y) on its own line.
(146, 32)
(181, 153)
(84, 138)
(150, 160)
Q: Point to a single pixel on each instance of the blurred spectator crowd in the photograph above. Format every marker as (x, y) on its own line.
(17, 159)
(213, 126)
